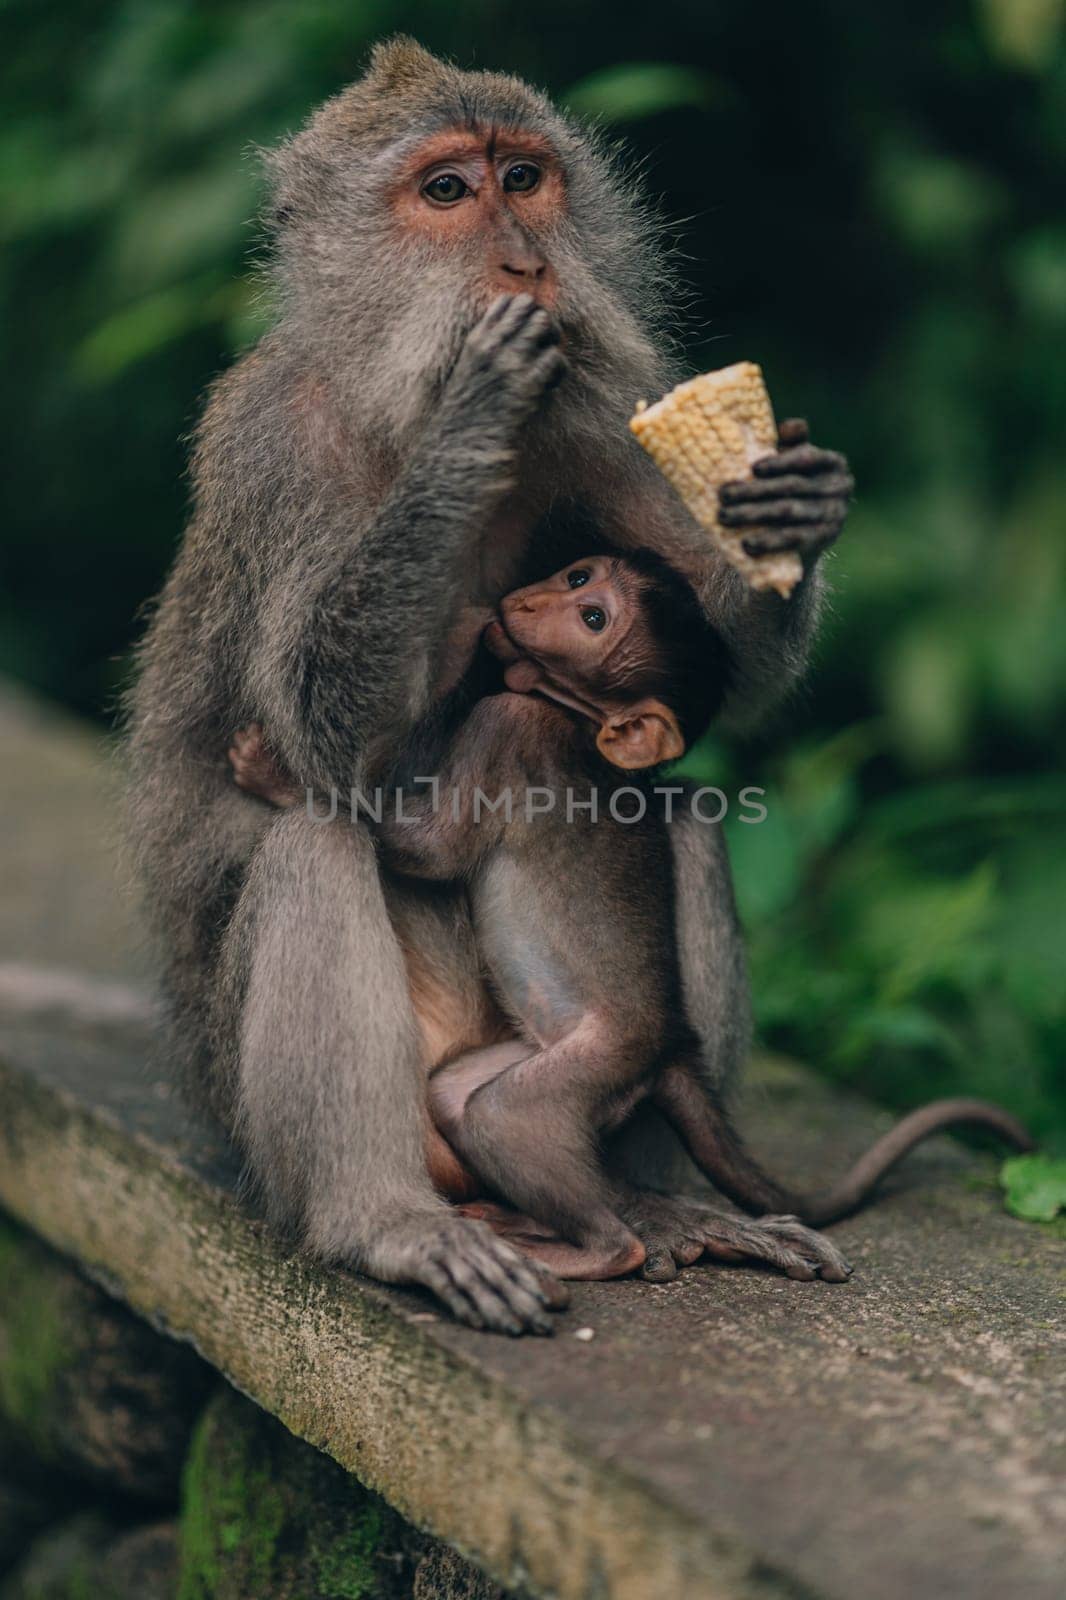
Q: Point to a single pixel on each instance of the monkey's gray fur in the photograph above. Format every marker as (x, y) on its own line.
(384, 457)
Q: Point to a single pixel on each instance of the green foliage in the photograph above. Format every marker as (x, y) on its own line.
(627, 93)
(873, 207)
(1036, 1187)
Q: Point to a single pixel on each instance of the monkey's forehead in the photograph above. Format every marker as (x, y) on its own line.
(379, 112)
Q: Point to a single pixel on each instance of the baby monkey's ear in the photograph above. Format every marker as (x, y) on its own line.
(643, 735)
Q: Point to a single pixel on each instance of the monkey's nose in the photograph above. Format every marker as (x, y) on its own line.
(530, 270)
(516, 603)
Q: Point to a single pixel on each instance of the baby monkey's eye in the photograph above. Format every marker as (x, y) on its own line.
(446, 188)
(594, 618)
(520, 178)
(579, 576)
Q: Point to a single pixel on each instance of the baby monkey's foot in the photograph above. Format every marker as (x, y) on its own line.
(677, 1230)
(256, 770)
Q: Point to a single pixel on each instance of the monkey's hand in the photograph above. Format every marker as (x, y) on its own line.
(256, 770)
(482, 1280)
(676, 1230)
(797, 498)
(509, 360)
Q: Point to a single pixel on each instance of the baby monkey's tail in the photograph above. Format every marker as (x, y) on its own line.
(706, 1129)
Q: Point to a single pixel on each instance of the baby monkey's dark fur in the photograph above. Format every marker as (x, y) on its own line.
(574, 916)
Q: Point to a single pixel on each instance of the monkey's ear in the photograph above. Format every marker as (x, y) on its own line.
(643, 735)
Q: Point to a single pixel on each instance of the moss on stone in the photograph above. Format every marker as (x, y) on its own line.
(86, 1389)
(34, 1346)
(265, 1514)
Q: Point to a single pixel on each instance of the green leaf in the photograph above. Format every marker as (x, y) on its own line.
(625, 93)
(1023, 33)
(1036, 1187)
(146, 326)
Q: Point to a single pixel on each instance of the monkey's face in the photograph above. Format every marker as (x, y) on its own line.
(489, 202)
(582, 627)
(584, 638)
(412, 199)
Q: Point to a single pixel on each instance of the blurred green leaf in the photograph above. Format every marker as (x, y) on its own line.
(184, 223)
(142, 329)
(1024, 33)
(939, 203)
(1036, 1187)
(627, 93)
(1037, 267)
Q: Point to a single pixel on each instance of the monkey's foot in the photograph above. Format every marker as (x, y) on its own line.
(480, 1278)
(589, 1263)
(676, 1231)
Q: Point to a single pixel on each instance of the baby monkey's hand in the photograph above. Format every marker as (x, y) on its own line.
(796, 499)
(256, 770)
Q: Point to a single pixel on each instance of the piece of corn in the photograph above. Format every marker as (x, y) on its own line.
(708, 432)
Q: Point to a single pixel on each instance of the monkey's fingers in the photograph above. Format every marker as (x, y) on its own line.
(813, 1248)
(782, 1242)
(516, 317)
(481, 1280)
(805, 458)
(793, 430)
(522, 1286)
(666, 1257)
(510, 309)
(529, 1238)
(491, 1309)
(837, 485)
(663, 1224)
(812, 539)
(470, 1294)
(776, 513)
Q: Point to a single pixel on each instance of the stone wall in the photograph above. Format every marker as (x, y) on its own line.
(130, 1471)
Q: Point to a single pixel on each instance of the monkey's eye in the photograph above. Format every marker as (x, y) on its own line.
(578, 577)
(593, 617)
(520, 178)
(445, 189)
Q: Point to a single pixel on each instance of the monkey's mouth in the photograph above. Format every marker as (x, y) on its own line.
(500, 642)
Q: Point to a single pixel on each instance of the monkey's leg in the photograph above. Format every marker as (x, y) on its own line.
(677, 1229)
(451, 1086)
(329, 1079)
(525, 1122)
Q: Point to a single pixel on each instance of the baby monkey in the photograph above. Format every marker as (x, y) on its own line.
(571, 892)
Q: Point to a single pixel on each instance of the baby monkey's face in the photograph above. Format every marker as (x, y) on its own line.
(571, 624)
(584, 639)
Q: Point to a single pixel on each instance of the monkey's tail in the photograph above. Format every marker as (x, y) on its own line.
(855, 1187)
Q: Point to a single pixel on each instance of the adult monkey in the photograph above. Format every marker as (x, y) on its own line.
(383, 467)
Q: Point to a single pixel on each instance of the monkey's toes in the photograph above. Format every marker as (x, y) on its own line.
(486, 1284)
(814, 1255)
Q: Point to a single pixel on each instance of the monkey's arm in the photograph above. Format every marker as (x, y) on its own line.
(353, 627)
(796, 499)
